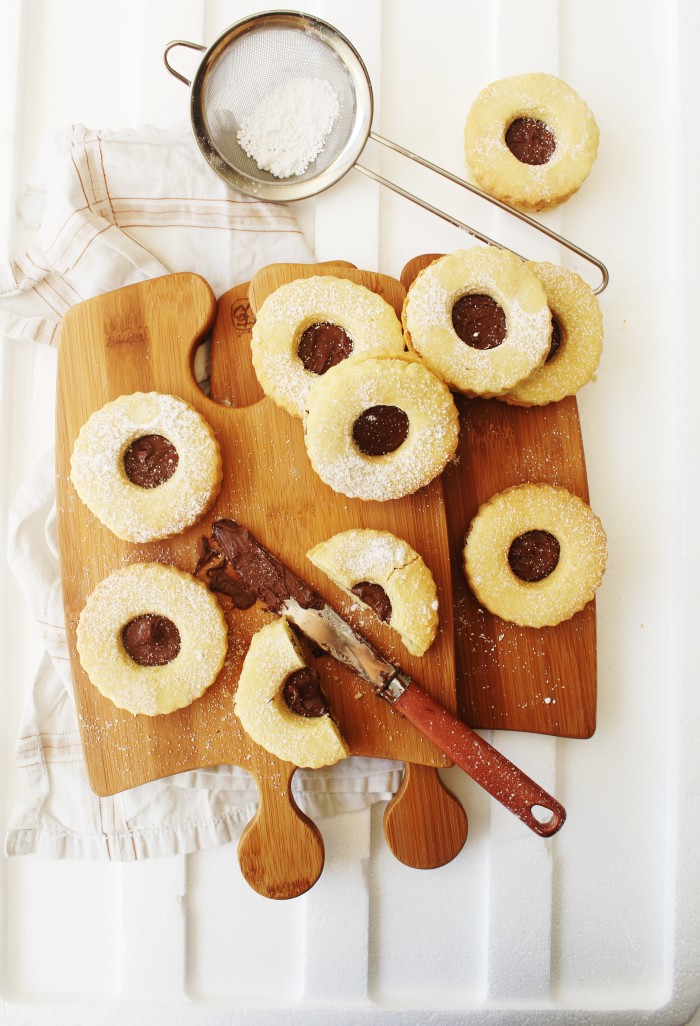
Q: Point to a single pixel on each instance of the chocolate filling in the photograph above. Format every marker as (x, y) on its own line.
(150, 461)
(380, 430)
(268, 579)
(533, 555)
(151, 639)
(324, 345)
(555, 340)
(530, 141)
(374, 596)
(479, 321)
(303, 695)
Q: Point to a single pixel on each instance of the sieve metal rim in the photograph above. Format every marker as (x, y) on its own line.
(281, 190)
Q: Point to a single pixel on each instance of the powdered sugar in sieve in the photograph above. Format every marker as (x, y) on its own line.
(289, 128)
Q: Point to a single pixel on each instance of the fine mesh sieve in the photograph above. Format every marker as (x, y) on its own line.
(244, 66)
(257, 55)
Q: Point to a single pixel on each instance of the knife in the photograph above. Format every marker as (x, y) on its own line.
(282, 592)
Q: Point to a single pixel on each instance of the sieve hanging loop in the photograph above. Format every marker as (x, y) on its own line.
(264, 51)
(171, 46)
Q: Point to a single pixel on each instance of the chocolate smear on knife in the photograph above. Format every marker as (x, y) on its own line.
(221, 577)
(225, 581)
(270, 581)
(207, 554)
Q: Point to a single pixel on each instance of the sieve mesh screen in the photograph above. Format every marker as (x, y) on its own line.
(249, 69)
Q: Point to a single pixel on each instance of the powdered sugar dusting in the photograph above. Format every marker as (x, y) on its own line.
(371, 552)
(259, 703)
(287, 312)
(508, 281)
(544, 98)
(346, 391)
(137, 590)
(578, 573)
(380, 557)
(129, 511)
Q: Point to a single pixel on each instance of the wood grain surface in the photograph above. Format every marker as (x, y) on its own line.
(508, 677)
(143, 338)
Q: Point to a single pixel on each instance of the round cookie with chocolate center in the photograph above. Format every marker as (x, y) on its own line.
(147, 465)
(151, 638)
(535, 554)
(308, 326)
(386, 574)
(530, 140)
(380, 427)
(479, 319)
(577, 340)
(280, 703)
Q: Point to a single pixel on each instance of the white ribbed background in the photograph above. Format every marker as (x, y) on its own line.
(600, 925)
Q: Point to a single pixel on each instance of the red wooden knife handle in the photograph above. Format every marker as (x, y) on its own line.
(496, 774)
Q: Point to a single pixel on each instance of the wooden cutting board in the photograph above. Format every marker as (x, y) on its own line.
(142, 338)
(509, 677)
(424, 824)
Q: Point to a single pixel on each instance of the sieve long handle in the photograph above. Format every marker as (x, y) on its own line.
(171, 46)
(571, 246)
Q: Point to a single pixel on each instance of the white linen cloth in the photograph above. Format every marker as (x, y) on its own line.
(118, 208)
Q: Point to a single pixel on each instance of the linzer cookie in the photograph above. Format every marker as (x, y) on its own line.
(380, 427)
(387, 575)
(147, 465)
(479, 319)
(530, 140)
(577, 340)
(151, 638)
(312, 324)
(280, 703)
(535, 554)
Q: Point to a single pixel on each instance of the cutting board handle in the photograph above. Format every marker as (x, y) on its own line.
(496, 774)
(280, 852)
(425, 825)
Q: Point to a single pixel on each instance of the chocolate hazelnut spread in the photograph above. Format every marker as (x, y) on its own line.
(303, 695)
(150, 461)
(225, 581)
(479, 321)
(530, 141)
(322, 346)
(534, 555)
(380, 430)
(374, 596)
(221, 577)
(556, 339)
(151, 640)
(207, 554)
(268, 579)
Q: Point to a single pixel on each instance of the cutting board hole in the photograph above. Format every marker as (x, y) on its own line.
(201, 359)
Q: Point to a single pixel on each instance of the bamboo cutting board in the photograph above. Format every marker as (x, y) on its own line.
(142, 338)
(509, 677)
(424, 824)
